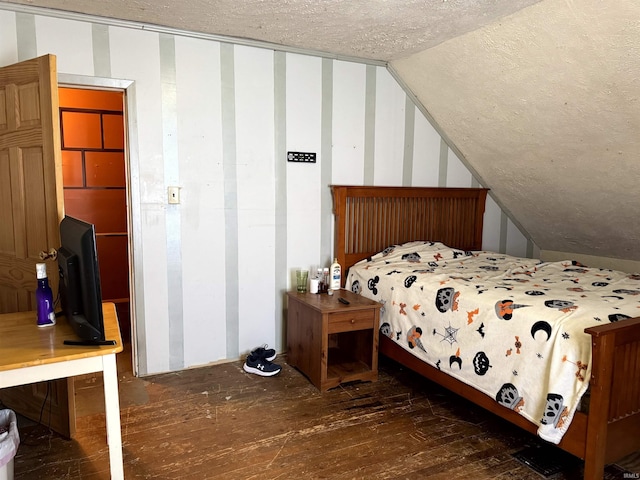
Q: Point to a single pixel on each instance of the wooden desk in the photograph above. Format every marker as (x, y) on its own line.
(30, 354)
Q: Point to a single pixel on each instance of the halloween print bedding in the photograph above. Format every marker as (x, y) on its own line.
(511, 327)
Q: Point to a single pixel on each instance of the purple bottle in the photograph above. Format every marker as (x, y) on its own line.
(44, 298)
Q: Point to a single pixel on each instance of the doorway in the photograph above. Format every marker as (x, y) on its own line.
(92, 130)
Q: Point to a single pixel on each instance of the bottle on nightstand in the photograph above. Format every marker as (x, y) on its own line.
(314, 283)
(336, 275)
(325, 280)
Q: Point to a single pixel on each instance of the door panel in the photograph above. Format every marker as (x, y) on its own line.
(31, 208)
(32, 178)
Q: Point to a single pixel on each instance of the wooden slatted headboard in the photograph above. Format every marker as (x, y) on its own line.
(369, 219)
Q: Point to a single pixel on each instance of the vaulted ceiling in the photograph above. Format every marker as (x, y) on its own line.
(540, 97)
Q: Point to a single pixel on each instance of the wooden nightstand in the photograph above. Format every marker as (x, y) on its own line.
(332, 343)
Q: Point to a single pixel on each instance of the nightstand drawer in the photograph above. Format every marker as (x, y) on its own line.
(352, 320)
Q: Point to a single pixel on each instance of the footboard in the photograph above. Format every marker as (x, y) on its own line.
(613, 427)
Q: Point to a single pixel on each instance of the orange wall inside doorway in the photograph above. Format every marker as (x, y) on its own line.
(94, 179)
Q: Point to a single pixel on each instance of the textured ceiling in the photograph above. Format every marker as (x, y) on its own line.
(541, 97)
(545, 106)
(371, 29)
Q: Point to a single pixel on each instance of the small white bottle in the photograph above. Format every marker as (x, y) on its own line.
(336, 275)
(314, 283)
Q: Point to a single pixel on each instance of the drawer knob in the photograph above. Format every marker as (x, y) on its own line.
(353, 321)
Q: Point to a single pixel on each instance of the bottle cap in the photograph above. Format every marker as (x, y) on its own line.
(41, 270)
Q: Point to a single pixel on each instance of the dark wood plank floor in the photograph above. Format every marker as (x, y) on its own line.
(219, 422)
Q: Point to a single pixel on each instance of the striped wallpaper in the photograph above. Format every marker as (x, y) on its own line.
(216, 118)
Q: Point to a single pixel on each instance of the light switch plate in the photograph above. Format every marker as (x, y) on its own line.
(174, 194)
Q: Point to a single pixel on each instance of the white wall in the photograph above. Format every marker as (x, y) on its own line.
(217, 119)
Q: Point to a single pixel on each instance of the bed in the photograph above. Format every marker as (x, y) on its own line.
(450, 220)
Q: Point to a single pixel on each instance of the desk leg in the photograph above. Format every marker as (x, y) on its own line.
(112, 410)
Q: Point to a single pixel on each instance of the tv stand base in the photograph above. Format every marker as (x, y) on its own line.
(86, 343)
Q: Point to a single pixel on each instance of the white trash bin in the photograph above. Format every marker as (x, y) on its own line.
(9, 441)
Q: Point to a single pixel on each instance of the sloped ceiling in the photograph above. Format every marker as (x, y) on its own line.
(544, 105)
(541, 97)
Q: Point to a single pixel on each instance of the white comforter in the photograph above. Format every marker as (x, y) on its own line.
(511, 327)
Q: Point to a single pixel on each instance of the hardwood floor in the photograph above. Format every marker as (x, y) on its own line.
(219, 422)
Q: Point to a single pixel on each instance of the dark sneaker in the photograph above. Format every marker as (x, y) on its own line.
(268, 354)
(261, 366)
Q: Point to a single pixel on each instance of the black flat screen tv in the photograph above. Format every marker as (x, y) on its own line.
(80, 290)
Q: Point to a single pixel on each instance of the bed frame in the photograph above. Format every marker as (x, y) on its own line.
(368, 219)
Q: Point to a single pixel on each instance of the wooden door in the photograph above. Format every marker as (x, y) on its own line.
(31, 207)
